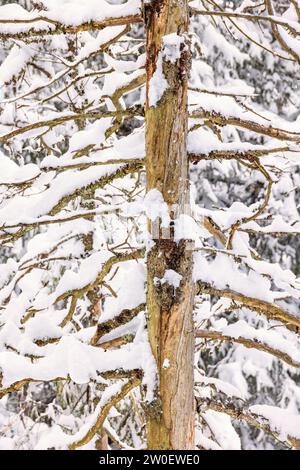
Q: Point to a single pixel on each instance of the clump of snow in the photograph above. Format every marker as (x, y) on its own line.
(222, 386)
(158, 83)
(22, 209)
(281, 421)
(86, 274)
(68, 12)
(172, 45)
(171, 277)
(223, 430)
(271, 338)
(166, 363)
(92, 134)
(156, 207)
(223, 272)
(132, 275)
(15, 62)
(125, 65)
(186, 228)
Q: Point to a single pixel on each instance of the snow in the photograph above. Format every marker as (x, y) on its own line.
(231, 374)
(186, 228)
(7, 270)
(212, 272)
(292, 43)
(203, 141)
(14, 63)
(116, 80)
(132, 275)
(91, 47)
(81, 363)
(222, 386)
(43, 202)
(128, 328)
(272, 338)
(129, 148)
(223, 430)
(229, 108)
(172, 47)
(156, 207)
(68, 12)
(92, 135)
(166, 363)
(171, 277)
(11, 337)
(74, 12)
(42, 327)
(281, 421)
(21, 174)
(278, 225)
(205, 442)
(6, 443)
(7, 166)
(51, 261)
(125, 65)
(158, 84)
(214, 38)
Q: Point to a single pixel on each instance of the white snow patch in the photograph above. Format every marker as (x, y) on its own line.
(158, 83)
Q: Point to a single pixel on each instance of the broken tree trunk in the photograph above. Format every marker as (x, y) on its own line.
(170, 322)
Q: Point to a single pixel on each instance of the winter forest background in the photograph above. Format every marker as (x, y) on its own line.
(76, 365)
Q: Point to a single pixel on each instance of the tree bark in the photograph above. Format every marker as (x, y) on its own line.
(170, 322)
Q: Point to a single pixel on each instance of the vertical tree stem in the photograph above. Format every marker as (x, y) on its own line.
(170, 322)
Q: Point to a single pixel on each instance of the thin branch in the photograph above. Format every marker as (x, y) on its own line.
(55, 27)
(219, 119)
(106, 267)
(249, 17)
(70, 66)
(124, 316)
(268, 309)
(249, 417)
(51, 123)
(85, 165)
(250, 155)
(260, 209)
(248, 343)
(279, 37)
(104, 410)
(119, 173)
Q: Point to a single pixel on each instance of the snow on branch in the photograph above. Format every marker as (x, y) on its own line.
(255, 341)
(71, 18)
(252, 125)
(281, 424)
(268, 309)
(48, 124)
(111, 397)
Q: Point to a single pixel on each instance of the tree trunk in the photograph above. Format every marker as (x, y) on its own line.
(170, 322)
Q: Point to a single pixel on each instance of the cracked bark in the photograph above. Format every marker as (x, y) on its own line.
(170, 417)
